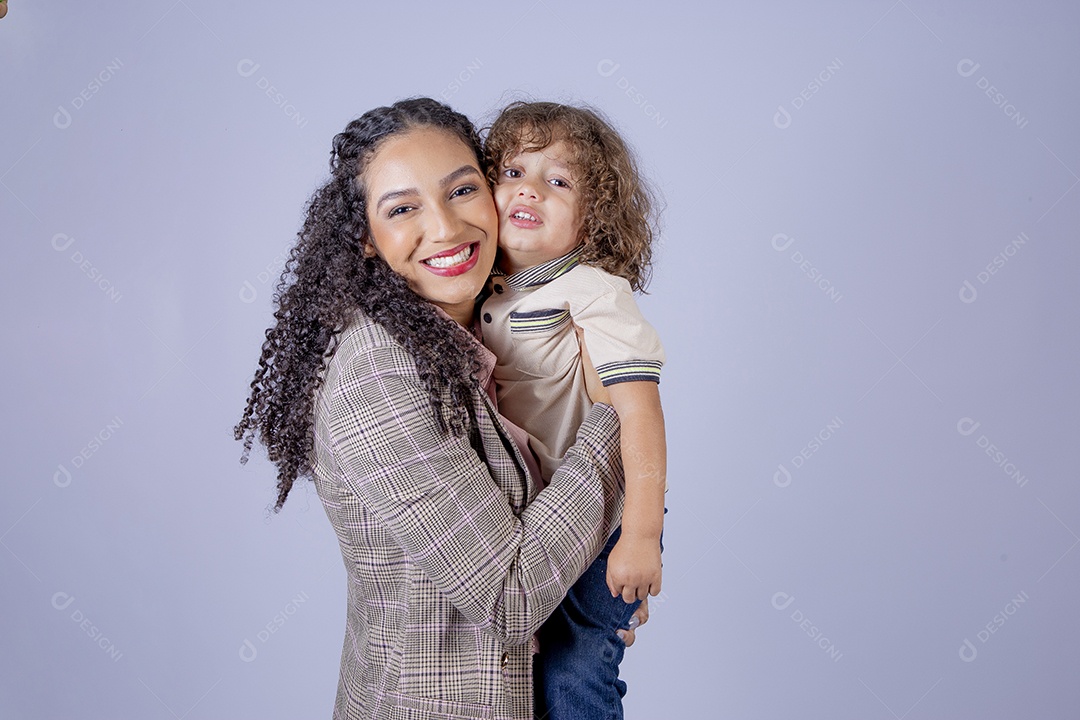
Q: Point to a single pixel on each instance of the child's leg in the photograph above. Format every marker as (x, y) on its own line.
(577, 674)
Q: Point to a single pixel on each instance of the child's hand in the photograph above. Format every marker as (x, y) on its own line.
(633, 568)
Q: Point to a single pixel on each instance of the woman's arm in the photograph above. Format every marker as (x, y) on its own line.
(505, 573)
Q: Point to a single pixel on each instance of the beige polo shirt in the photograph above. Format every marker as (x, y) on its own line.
(528, 322)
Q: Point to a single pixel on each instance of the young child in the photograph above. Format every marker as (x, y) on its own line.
(575, 241)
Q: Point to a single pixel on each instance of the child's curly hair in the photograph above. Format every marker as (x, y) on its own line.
(617, 205)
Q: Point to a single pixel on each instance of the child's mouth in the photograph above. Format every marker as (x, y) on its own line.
(524, 218)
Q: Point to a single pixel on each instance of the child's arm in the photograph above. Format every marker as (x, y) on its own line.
(634, 564)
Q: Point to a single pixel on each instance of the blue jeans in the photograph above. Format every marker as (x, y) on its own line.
(577, 670)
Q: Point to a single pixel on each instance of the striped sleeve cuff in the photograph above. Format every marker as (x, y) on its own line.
(629, 371)
(538, 320)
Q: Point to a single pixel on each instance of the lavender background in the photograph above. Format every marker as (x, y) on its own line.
(866, 289)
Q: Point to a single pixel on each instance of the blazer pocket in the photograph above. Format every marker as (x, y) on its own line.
(538, 322)
(412, 708)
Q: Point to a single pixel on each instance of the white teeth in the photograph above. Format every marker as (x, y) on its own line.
(522, 215)
(450, 260)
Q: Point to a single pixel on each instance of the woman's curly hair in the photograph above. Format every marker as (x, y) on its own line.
(618, 206)
(328, 279)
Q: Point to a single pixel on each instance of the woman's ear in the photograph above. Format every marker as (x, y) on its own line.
(369, 248)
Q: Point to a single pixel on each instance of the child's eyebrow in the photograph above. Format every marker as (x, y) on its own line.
(557, 163)
(565, 169)
(569, 170)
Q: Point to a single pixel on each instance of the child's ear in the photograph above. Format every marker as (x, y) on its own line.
(583, 237)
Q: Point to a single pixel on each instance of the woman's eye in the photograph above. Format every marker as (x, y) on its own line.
(399, 210)
(463, 190)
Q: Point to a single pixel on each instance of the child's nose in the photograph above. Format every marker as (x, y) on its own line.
(528, 189)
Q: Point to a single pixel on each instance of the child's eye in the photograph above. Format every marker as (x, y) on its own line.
(559, 182)
(512, 173)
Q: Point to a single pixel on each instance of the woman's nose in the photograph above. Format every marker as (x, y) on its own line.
(443, 223)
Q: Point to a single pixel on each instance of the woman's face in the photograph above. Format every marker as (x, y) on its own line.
(432, 217)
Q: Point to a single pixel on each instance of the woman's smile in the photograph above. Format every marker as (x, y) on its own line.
(455, 261)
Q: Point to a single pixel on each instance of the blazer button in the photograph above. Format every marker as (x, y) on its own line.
(487, 317)
(499, 289)
(505, 660)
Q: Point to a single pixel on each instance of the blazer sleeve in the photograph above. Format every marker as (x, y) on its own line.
(505, 573)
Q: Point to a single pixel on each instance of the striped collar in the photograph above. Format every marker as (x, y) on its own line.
(544, 272)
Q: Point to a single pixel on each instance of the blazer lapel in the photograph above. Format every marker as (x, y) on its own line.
(503, 456)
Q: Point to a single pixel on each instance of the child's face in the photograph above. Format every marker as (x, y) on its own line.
(539, 207)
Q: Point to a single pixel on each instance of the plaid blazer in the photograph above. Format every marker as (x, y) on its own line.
(451, 568)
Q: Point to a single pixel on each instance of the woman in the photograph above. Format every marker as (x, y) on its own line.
(372, 383)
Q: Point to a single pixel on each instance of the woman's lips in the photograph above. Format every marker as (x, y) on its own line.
(523, 216)
(455, 261)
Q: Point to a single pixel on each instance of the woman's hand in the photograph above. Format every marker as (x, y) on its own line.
(640, 617)
(597, 392)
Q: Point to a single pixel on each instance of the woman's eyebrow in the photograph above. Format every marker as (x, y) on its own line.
(460, 173)
(457, 174)
(394, 194)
